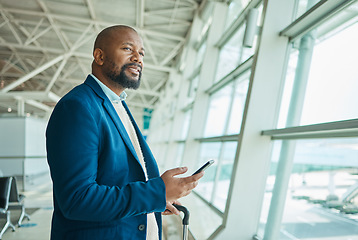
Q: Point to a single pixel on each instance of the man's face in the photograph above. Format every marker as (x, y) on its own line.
(123, 61)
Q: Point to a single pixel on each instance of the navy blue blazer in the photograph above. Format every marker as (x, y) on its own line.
(99, 186)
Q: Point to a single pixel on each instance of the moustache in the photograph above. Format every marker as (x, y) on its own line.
(133, 64)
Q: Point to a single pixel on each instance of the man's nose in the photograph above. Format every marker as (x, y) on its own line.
(137, 57)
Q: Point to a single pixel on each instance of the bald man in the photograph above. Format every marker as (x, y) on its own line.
(106, 183)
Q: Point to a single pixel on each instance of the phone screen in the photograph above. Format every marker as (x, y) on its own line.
(204, 167)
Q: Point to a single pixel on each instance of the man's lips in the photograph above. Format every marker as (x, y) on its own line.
(135, 69)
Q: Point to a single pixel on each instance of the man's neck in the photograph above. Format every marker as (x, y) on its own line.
(115, 87)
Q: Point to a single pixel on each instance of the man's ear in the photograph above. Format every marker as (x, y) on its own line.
(98, 55)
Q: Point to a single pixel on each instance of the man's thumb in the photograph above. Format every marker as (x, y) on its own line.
(178, 171)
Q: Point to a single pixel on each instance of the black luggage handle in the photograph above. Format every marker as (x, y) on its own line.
(185, 219)
(185, 211)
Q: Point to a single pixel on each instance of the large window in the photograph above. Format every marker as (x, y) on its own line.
(193, 87)
(200, 55)
(186, 124)
(235, 8)
(322, 192)
(208, 151)
(226, 108)
(238, 105)
(224, 119)
(230, 54)
(332, 77)
(215, 184)
(317, 161)
(218, 112)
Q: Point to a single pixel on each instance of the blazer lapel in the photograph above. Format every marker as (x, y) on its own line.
(152, 167)
(113, 114)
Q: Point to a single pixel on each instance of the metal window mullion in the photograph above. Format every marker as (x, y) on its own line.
(345, 126)
(285, 163)
(315, 16)
(229, 113)
(217, 173)
(224, 138)
(242, 68)
(333, 134)
(231, 30)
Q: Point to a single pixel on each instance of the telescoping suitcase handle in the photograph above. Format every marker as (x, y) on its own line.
(185, 219)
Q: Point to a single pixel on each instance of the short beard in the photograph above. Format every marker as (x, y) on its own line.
(122, 78)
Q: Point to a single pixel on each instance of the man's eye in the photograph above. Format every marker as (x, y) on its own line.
(142, 54)
(127, 48)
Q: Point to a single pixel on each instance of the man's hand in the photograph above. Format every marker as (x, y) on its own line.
(170, 209)
(179, 187)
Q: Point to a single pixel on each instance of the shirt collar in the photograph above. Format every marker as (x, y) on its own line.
(109, 93)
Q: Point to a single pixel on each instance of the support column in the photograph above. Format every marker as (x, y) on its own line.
(285, 164)
(251, 167)
(20, 107)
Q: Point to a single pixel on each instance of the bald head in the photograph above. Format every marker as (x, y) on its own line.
(108, 35)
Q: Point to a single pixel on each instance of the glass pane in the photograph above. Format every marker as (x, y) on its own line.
(218, 112)
(223, 177)
(333, 81)
(238, 106)
(303, 6)
(235, 9)
(230, 54)
(208, 151)
(321, 201)
(200, 55)
(179, 154)
(332, 75)
(270, 181)
(186, 123)
(193, 87)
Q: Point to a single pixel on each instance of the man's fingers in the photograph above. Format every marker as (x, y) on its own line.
(194, 178)
(178, 187)
(177, 171)
(172, 209)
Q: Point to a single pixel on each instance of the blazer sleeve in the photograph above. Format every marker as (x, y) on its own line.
(72, 142)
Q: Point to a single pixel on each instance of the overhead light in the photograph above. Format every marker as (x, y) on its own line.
(9, 109)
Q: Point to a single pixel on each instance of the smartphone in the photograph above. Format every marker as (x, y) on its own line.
(204, 167)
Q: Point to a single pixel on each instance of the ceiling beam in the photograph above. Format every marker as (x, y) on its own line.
(34, 38)
(77, 54)
(34, 30)
(92, 13)
(12, 29)
(58, 32)
(169, 11)
(80, 41)
(32, 74)
(36, 95)
(57, 73)
(76, 45)
(87, 21)
(38, 105)
(150, 49)
(172, 54)
(140, 13)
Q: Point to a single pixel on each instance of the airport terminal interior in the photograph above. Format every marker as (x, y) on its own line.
(266, 88)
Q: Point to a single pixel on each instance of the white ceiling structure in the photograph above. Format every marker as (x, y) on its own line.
(46, 47)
